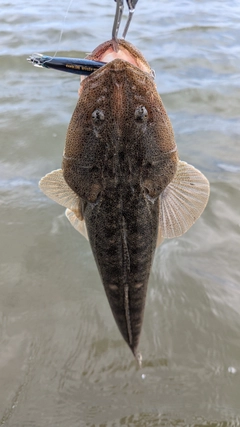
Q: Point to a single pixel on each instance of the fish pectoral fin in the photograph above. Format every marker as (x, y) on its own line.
(78, 224)
(55, 187)
(183, 201)
(160, 237)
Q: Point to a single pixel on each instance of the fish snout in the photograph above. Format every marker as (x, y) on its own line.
(118, 65)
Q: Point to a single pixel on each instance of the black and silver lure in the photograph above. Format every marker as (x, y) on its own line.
(84, 67)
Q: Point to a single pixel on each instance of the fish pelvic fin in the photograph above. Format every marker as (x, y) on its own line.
(160, 237)
(78, 224)
(182, 202)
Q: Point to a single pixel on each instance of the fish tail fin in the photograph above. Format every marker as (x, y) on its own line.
(138, 356)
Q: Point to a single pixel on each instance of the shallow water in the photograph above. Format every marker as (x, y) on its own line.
(62, 359)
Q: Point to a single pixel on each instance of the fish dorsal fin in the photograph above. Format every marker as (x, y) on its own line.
(55, 187)
(76, 223)
(183, 201)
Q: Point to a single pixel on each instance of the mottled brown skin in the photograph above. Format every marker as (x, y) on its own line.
(119, 156)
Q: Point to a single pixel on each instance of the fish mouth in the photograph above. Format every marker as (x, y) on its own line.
(106, 52)
(119, 59)
(122, 53)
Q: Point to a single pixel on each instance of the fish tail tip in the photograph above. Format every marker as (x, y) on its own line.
(138, 357)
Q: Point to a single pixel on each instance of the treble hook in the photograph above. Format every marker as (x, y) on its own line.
(131, 7)
(118, 17)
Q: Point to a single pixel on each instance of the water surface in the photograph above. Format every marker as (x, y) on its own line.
(62, 359)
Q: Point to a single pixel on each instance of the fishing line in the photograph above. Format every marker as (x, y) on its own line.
(62, 30)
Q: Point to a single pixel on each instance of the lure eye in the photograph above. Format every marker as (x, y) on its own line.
(98, 116)
(141, 113)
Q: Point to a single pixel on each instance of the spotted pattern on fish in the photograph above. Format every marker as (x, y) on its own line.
(121, 181)
(120, 154)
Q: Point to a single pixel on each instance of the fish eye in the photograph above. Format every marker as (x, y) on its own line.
(97, 115)
(94, 169)
(141, 113)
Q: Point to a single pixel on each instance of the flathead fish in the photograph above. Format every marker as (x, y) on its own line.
(122, 182)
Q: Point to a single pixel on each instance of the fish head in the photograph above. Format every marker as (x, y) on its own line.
(120, 117)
